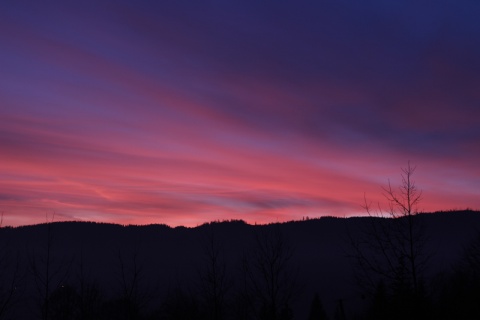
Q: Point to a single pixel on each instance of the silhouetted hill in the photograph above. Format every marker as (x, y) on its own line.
(173, 259)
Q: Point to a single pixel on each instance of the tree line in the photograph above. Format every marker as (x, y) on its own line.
(59, 285)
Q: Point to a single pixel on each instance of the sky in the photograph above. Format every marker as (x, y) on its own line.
(183, 112)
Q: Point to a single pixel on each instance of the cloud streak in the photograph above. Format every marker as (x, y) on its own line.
(181, 113)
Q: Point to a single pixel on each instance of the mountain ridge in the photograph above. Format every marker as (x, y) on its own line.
(173, 258)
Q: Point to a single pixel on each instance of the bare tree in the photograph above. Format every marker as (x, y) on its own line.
(135, 290)
(389, 249)
(214, 281)
(243, 307)
(131, 274)
(273, 276)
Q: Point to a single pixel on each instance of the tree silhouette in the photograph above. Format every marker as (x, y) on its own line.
(214, 281)
(243, 307)
(390, 248)
(272, 275)
(131, 284)
(316, 309)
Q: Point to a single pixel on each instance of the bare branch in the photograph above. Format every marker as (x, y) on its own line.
(392, 248)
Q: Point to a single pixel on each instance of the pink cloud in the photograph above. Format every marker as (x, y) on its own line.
(94, 127)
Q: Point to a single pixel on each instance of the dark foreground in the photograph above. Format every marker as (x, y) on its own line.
(315, 269)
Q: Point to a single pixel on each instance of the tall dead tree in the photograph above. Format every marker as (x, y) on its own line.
(135, 290)
(214, 280)
(390, 247)
(273, 276)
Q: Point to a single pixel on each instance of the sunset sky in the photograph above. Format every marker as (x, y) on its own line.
(182, 112)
